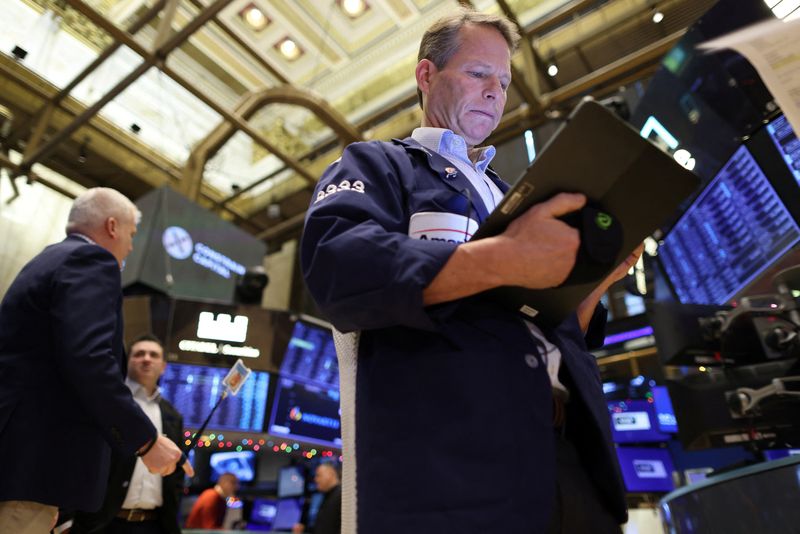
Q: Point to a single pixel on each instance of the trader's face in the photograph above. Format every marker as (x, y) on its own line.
(146, 363)
(468, 94)
(325, 478)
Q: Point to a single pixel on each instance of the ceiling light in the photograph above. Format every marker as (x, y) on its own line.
(254, 17)
(658, 16)
(552, 70)
(353, 8)
(289, 49)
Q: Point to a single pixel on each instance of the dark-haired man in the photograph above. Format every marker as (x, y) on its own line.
(452, 404)
(136, 498)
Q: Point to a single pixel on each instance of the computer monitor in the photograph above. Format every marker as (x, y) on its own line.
(776, 454)
(787, 144)
(634, 421)
(240, 463)
(291, 481)
(311, 355)
(736, 228)
(288, 512)
(263, 512)
(306, 412)
(194, 389)
(665, 414)
(646, 470)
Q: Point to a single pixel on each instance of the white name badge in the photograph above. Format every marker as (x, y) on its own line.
(437, 226)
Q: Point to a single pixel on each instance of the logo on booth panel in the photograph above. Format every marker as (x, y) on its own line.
(295, 414)
(177, 242)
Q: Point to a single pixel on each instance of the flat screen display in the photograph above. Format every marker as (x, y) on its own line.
(287, 513)
(306, 412)
(263, 511)
(240, 463)
(736, 228)
(634, 421)
(785, 139)
(194, 389)
(311, 355)
(665, 414)
(776, 454)
(291, 481)
(186, 251)
(646, 470)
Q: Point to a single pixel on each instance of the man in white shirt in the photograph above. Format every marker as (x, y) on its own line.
(137, 500)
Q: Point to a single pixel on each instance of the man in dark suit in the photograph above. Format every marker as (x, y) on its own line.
(135, 498)
(329, 515)
(62, 367)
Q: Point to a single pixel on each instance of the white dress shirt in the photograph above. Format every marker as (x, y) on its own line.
(144, 491)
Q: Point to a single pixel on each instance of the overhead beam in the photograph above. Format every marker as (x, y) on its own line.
(149, 60)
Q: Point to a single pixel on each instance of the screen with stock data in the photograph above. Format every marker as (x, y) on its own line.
(194, 389)
(737, 227)
(785, 139)
(311, 356)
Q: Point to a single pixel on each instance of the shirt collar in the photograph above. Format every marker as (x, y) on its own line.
(446, 142)
(138, 390)
(82, 236)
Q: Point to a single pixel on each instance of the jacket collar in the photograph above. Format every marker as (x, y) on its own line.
(451, 176)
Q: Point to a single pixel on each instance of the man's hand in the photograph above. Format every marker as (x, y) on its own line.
(163, 456)
(298, 528)
(536, 251)
(540, 248)
(586, 308)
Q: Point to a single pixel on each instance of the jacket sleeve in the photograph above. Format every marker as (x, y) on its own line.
(86, 303)
(361, 267)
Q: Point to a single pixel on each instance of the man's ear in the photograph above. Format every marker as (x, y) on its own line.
(111, 227)
(425, 72)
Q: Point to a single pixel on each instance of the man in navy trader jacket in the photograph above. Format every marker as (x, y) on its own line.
(63, 402)
(447, 397)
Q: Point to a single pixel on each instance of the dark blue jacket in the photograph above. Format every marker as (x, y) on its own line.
(63, 402)
(446, 410)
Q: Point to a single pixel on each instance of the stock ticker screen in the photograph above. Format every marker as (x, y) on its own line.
(785, 139)
(194, 389)
(735, 229)
(311, 356)
(305, 411)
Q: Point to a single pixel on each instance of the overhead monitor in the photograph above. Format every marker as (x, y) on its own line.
(186, 251)
(240, 463)
(311, 355)
(736, 228)
(194, 389)
(219, 334)
(646, 469)
(634, 421)
(306, 412)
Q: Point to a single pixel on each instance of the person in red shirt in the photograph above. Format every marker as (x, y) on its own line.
(209, 509)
